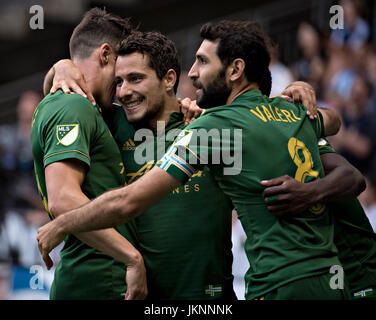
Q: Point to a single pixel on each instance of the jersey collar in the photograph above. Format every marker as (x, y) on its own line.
(249, 95)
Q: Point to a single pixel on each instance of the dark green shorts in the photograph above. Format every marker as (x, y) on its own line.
(311, 288)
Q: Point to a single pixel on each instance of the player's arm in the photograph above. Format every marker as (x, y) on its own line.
(296, 92)
(48, 78)
(66, 76)
(110, 209)
(331, 120)
(303, 92)
(63, 181)
(285, 195)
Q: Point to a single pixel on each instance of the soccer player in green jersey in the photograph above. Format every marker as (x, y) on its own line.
(76, 159)
(290, 255)
(147, 75)
(353, 234)
(187, 250)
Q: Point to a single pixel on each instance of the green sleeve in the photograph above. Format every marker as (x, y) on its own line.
(70, 130)
(318, 125)
(325, 146)
(193, 149)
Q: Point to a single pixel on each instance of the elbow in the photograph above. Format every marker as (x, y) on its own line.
(359, 182)
(55, 208)
(61, 202)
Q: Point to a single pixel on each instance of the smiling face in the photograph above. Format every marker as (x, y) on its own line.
(139, 90)
(209, 76)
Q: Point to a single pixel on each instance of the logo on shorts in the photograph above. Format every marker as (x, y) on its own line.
(67, 133)
(213, 290)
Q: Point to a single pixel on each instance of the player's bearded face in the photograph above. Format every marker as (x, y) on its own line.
(213, 93)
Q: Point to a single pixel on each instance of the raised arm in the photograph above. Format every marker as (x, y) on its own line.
(332, 121)
(66, 76)
(48, 79)
(302, 92)
(296, 92)
(63, 181)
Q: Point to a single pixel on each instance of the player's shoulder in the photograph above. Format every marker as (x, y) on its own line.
(210, 119)
(72, 102)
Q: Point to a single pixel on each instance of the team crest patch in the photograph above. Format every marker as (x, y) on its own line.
(184, 138)
(67, 133)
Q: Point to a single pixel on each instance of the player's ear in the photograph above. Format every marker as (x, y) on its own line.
(170, 79)
(236, 69)
(105, 53)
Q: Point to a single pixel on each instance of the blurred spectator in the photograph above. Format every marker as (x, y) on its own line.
(371, 74)
(356, 30)
(22, 212)
(281, 75)
(357, 136)
(368, 199)
(4, 280)
(16, 160)
(311, 66)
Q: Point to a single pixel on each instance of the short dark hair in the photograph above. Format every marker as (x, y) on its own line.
(160, 50)
(245, 40)
(97, 27)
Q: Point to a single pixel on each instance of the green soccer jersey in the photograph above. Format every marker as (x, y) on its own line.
(185, 239)
(254, 139)
(67, 126)
(354, 238)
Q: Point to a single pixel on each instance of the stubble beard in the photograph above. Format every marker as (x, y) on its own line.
(216, 93)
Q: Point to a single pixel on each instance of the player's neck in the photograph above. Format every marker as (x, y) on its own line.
(239, 89)
(89, 70)
(171, 105)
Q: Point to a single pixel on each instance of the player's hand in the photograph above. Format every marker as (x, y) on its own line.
(302, 92)
(136, 280)
(287, 196)
(70, 79)
(190, 109)
(49, 237)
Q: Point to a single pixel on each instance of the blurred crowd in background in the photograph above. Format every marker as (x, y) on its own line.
(341, 66)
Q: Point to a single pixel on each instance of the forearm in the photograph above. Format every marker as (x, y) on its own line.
(107, 210)
(48, 79)
(112, 243)
(109, 241)
(328, 189)
(121, 205)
